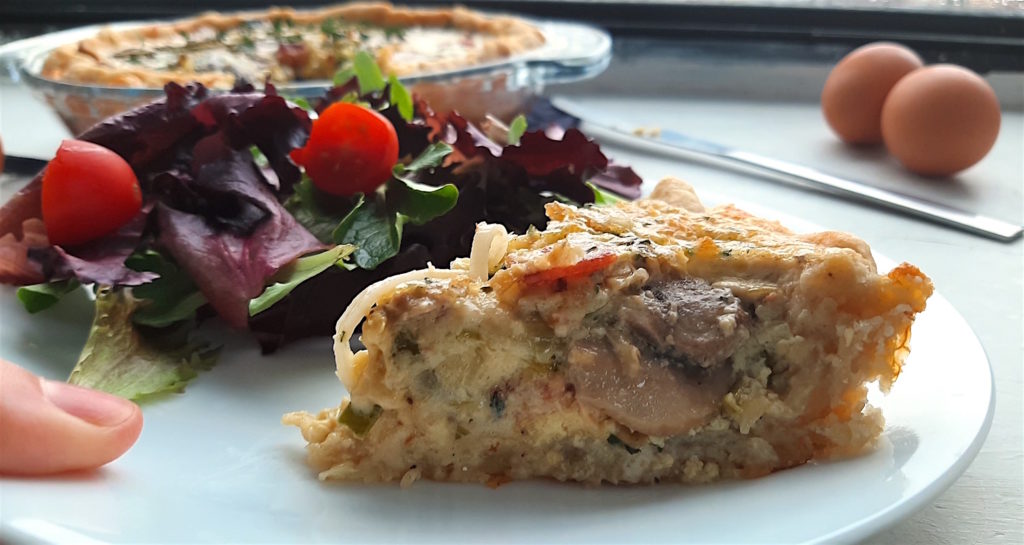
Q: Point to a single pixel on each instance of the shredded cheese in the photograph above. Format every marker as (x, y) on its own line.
(490, 242)
(360, 307)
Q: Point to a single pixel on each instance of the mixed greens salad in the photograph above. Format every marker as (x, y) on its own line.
(271, 214)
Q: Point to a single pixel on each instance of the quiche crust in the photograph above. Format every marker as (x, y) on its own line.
(472, 38)
(635, 343)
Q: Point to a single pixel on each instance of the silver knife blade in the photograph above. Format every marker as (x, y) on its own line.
(678, 145)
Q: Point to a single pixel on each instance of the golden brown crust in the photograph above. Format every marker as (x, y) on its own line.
(86, 61)
(539, 371)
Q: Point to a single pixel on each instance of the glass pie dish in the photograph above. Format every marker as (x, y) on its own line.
(571, 52)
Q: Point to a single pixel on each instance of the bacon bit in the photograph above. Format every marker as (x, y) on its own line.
(293, 55)
(575, 271)
(497, 480)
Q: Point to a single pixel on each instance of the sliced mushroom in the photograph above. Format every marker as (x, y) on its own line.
(642, 395)
(687, 320)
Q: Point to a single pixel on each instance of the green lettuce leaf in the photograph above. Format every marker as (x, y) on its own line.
(171, 297)
(135, 362)
(373, 229)
(400, 97)
(39, 297)
(319, 212)
(367, 73)
(304, 268)
(431, 158)
(602, 197)
(418, 203)
(516, 129)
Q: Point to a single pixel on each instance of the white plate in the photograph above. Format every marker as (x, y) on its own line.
(215, 465)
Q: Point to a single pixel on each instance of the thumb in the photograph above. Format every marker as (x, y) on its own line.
(52, 427)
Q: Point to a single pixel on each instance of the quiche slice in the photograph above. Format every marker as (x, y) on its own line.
(283, 45)
(636, 343)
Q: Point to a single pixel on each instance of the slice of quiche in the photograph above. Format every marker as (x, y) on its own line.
(635, 343)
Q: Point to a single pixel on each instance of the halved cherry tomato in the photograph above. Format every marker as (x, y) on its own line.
(88, 192)
(350, 150)
(570, 272)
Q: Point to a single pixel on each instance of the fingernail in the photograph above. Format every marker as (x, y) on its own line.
(97, 408)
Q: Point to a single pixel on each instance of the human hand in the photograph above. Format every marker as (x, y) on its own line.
(52, 427)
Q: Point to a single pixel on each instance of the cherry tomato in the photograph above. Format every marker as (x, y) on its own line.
(350, 150)
(88, 192)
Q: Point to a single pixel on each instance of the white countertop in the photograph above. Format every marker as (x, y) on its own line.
(982, 278)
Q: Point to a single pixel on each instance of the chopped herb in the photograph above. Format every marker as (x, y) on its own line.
(330, 28)
(405, 342)
(278, 27)
(394, 32)
(614, 440)
(357, 421)
(497, 403)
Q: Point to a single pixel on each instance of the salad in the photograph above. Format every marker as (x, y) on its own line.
(270, 214)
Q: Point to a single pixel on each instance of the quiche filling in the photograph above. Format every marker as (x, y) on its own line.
(625, 344)
(286, 46)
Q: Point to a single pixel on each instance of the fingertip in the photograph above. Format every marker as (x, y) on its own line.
(52, 427)
(95, 407)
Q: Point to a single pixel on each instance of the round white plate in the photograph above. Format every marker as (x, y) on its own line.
(215, 465)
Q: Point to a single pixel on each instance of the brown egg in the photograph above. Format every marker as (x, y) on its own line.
(856, 89)
(940, 120)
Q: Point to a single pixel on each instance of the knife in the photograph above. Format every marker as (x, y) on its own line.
(677, 145)
(25, 166)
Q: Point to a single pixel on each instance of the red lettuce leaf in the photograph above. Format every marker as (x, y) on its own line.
(230, 269)
(206, 201)
(100, 261)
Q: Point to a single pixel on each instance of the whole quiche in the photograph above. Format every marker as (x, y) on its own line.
(285, 46)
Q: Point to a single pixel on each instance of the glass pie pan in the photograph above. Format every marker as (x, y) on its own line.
(571, 52)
